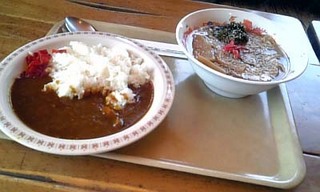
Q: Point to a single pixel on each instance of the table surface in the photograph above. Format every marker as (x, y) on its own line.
(23, 169)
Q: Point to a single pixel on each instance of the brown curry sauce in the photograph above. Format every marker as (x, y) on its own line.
(67, 118)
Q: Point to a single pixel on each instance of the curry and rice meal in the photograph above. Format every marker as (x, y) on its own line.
(81, 91)
(240, 50)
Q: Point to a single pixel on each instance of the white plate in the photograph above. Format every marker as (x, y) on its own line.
(12, 66)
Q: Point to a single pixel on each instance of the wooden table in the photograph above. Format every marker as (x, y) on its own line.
(23, 169)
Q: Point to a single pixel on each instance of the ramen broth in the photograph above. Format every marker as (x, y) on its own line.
(239, 50)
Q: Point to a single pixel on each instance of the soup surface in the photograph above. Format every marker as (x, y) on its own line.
(74, 118)
(239, 50)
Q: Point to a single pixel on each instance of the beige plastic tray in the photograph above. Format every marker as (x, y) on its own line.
(252, 140)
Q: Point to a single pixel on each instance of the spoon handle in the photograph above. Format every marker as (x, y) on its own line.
(74, 24)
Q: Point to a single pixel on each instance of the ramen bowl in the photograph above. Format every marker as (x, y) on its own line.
(230, 86)
(14, 64)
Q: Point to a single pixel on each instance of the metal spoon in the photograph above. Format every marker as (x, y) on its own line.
(74, 24)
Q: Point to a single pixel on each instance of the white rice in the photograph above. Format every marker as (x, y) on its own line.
(87, 69)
